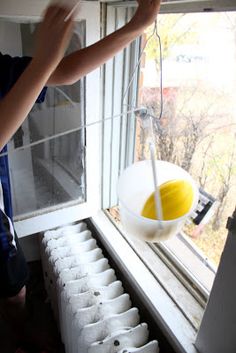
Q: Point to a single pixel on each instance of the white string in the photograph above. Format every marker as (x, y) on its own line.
(154, 33)
(66, 96)
(152, 149)
(74, 8)
(161, 72)
(157, 195)
(60, 134)
(136, 66)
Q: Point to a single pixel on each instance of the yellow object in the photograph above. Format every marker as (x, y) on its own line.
(176, 199)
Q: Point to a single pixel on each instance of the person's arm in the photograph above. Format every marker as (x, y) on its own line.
(53, 37)
(83, 61)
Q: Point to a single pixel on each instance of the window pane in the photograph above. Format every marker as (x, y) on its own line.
(52, 172)
(198, 124)
(47, 175)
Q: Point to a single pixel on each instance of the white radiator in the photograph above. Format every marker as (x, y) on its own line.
(93, 312)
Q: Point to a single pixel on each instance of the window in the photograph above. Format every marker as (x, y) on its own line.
(199, 272)
(53, 172)
(199, 74)
(53, 158)
(198, 117)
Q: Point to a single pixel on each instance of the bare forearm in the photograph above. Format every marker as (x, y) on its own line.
(81, 62)
(53, 36)
(16, 105)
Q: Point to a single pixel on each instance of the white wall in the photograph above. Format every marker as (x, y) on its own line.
(10, 38)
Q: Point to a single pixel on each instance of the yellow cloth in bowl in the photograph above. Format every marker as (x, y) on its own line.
(176, 200)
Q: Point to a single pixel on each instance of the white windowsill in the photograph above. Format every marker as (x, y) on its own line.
(174, 324)
(194, 264)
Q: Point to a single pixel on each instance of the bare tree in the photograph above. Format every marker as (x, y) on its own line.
(203, 174)
(194, 132)
(224, 189)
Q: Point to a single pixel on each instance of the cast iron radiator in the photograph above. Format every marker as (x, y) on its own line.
(93, 312)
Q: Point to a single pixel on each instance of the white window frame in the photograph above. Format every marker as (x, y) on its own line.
(117, 100)
(180, 6)
(68, 212)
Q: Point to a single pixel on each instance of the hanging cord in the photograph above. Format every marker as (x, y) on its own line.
(157, 194)
(161, 72)
(152, 119)
(74, 105)
(154, 34)
(60, 134)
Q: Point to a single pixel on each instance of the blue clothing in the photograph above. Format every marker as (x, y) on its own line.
(10, 70)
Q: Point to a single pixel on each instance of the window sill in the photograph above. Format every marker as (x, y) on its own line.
(192, 264)
(174, 323)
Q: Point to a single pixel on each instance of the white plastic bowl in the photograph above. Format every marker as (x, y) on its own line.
(135, 185)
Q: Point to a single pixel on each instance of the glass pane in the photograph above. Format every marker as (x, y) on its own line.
(52, 172)
(198, 125)
(47, 175)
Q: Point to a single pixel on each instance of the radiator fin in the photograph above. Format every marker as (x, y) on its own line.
(93, 312)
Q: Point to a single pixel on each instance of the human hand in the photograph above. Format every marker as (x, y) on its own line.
(146, 13)
(53, 36)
